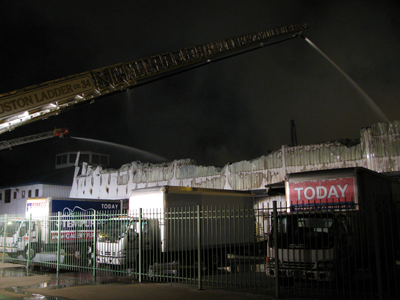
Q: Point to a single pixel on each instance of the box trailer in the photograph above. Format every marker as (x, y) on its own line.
(173, 221)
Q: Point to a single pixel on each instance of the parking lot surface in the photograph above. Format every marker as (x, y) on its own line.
(17, 284)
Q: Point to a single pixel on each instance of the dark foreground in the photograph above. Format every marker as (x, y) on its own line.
(16, 284)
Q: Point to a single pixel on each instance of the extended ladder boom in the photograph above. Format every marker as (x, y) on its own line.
(34, 138)
(49, 98)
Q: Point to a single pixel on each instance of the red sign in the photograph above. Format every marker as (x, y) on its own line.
(321, 192)
(73, 235)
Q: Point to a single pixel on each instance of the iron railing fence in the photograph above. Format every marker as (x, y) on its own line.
(327, 251)
(342, 251)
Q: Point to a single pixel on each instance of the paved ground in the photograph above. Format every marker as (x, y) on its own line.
(18, 286)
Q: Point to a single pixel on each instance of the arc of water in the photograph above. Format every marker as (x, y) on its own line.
(138, 151)
(369, 100)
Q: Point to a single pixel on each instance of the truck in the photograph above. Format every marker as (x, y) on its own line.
(163, 226)
(74, 230)
(340, 225)
(57, 132)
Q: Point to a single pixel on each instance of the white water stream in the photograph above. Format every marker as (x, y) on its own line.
(143, 153)
(370, 102)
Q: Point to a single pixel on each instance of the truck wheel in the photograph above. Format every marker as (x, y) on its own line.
(344, 275)
(216, 260)
(89, 261)
(13, 255)
(29, 254)
(285, 282)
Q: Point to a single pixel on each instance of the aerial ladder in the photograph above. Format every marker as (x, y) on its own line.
(50, 98)
(57, 132)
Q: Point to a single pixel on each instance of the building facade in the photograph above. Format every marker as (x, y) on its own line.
(377, 149)
(13, 199)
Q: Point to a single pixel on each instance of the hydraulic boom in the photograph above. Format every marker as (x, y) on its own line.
(49, 98)
(33, 138)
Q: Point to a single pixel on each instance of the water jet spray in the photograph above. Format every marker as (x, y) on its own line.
(369, 100)
(143, 153)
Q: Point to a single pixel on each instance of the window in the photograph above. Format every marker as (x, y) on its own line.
(15, 194)
(84, 158)
(23, 231)
(104, 160)
(7, 196)
(23, 194)
(29, 193)
(37, 193)
(72, 158)
(1, 196)
(95, 159)
(61, 159)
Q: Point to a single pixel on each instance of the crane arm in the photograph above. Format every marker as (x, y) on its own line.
(49, 98)
(58, 132)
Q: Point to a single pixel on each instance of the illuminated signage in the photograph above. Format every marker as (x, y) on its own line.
(338, 191)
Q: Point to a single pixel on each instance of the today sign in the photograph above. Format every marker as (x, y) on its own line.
(321, 191)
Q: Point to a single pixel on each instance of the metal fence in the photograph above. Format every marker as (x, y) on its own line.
(350, 252)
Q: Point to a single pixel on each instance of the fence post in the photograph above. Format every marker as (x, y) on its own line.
(199, 248)
(4, 238)
(94, 243)
(140, 244)
(58, 240)
(276, 253)
(28, 256)
(377, 241)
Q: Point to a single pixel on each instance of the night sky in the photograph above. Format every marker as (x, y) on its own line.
(228, 111)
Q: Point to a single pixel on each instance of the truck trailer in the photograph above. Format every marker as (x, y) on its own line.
(170, 223)
(340, 225)
(74, 229)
